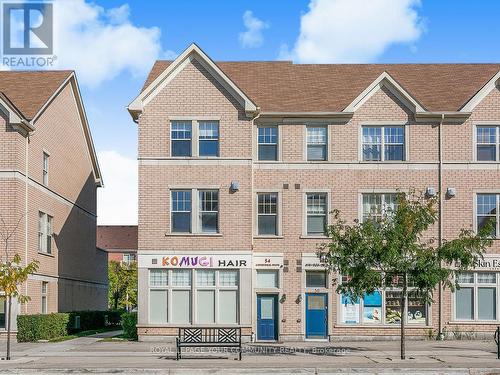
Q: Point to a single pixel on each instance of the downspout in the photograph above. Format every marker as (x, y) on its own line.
(440, 222)
(26, 181)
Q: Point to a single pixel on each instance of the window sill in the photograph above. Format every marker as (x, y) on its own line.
(268, 237)
(475, 322)
(313, 237)
(380, 325)
(46, 254)
(193, 234)
(383, 161)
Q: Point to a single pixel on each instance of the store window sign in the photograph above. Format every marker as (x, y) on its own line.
(350, 310)
(372, 307)
(201, 261)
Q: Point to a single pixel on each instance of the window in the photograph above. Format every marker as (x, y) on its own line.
(383, 143)
(384, 306)
(215, 293)
(487, 141)
(129, 258)
(376, 206)
(181, 138)
(316, 143)
(45, 169)
(44, 233)
(209, 211)
(208, 138)
(316, 279)
(268, 143)
(267, 214)
(487, 211)
(44, 296)
(2, 311)
(181, 211)
(476, 297)
(267, 279)
(316, 214)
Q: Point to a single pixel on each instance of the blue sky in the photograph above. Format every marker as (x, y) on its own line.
(113, 43)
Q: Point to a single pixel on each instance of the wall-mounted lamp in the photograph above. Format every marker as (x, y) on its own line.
(283, 298)
(451, 192)
(430, 192)
(298, 299)
(235, 186)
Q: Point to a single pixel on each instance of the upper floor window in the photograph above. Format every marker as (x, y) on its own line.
(316, 143)
(383, 143)
(267, 214)
(268, 143)
(45, 169)
(487, 143)
(181, 138)
(376, 206)
(129, 258)
(208, 138)
(44, 233)
(316, 214)
(487, 211)
(188, 217)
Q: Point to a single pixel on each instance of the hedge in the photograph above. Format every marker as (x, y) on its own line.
(42, 326)
(50, 326)
(129, 322)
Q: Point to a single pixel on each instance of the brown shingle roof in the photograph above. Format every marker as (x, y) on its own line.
(30, 90)
(121, 237)
(281, 86)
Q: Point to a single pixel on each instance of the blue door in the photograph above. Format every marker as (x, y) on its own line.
(267, 317)
(316, 315)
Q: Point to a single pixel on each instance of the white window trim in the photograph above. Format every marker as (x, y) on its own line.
(474, 209)
(45, 172)
(489, 124)
(45, 234)
(305, 144)
(195, 211)
(304, 210)
(195, 136)
(406, 149)
(278, 145)
(279, 213)
(372, 191)
(44, 294)
(475, 285)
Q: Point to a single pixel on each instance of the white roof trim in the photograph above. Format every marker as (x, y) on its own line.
(191, 53)
(83, 117)
(385, 80)
(481, 94)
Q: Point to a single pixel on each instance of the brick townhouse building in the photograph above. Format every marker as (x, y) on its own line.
(49, 175)
(119, 241)
(240, 163)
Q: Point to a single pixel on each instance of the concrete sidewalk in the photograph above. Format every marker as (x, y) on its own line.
(92, 355)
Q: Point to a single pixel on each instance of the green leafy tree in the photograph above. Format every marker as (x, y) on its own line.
(12, 274)
(122, 285)
(397, 249)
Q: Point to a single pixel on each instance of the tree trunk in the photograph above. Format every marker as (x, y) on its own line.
(9, 311)
(403, 318)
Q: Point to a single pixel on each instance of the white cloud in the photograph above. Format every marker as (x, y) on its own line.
(252, 37)
(353, 31)
(117, 200)
(102, 43)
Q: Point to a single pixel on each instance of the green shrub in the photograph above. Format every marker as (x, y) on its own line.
(93, 320)
(129, 325)
(42, 326)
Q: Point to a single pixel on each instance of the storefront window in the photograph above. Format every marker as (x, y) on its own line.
(372, 308)
(475, 299)
(2, 312)
(316, 279)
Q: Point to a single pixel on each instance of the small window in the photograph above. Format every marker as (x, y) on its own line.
(181, 138)
(487, 212)
(208, 138)
(209, 211)
(316, 279)
(228, 278)
(158, 277)
(487, 143)
(181, 277)
(205, 278)
(44, 296)
(44, 233)
(316, 214)
(377, 206)
(267, 214)
(268, 143)
(181, 211)
(45, 171)
(316, 143)
(267, 279)
(383, 143)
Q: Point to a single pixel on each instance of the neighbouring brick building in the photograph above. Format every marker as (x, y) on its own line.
(240, 162)
(48, 179)
(119, 241)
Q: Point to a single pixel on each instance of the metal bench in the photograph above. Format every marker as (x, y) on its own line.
(206, 337)
(497, 341)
